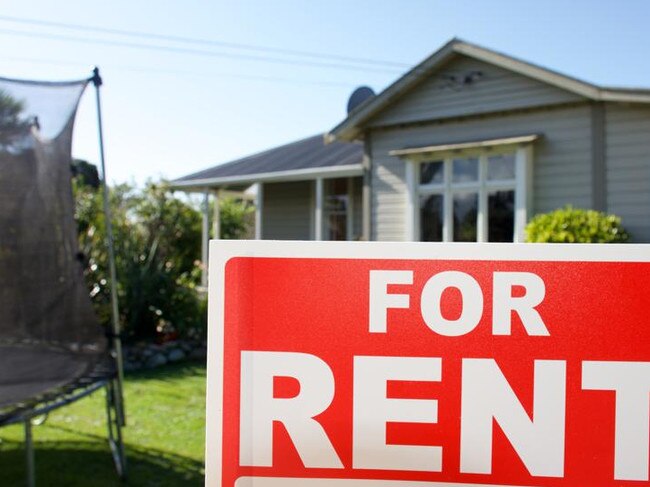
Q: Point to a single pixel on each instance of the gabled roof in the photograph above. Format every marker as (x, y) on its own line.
(304, 159)
(350, 128)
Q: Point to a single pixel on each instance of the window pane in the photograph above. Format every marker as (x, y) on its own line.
(336, 227)
(432, 172)
(501, 166)
(431, 218)
(465, 170)
(335, 209)
(501, 216)
(465, 215)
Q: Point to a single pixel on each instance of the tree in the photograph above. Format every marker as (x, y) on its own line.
(85, 173)
(157, 252)
(157, 248)
(236, 218)
(12, 125)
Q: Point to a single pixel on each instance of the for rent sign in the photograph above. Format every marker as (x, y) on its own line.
(394, 365)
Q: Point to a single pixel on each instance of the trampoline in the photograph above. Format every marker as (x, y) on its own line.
(53, 351)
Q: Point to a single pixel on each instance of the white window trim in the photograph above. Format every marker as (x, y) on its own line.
(259, 211)
(318, 227)
(318, 211)
(522, 186)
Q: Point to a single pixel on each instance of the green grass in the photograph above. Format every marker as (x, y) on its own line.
(164, 436)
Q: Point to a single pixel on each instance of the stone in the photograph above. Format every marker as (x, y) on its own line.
(129, 366)
(199, 353)
(175, 354)
(156, 360)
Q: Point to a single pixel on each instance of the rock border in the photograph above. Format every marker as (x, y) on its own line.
(144, 355)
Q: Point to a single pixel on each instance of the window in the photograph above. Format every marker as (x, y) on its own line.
(336, 209)
(335, 201)
(468, 198)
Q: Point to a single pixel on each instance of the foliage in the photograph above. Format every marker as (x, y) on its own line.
(12, 123)
(157, 245)
(573, 225)
(157, 253)
(164, 438)
(236, 218)
(85, 173)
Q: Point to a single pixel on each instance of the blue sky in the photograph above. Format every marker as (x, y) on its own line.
(171, 113)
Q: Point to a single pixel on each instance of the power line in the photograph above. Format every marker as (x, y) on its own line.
(199, 41)
(182, 50)
(146, 70)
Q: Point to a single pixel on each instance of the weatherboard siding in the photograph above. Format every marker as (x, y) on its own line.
(561, 160)
(627, 149)
(497, 90)
(287, 211)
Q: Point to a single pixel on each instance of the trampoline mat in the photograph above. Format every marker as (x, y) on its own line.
(29, 373)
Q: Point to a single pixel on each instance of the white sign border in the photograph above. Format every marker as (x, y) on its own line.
(221, 251)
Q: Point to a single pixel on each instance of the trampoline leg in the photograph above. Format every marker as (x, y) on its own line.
(115, 439)
(29, 451)
(118, 387)
(119, 422)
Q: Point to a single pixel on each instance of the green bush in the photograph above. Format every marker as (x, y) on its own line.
(574, 225)
(157, 253)
(237, 218)
(157, 248)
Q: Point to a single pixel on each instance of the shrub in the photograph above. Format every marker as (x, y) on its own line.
(157, 253)
(237, 218)
(574, 225)
(157, 248)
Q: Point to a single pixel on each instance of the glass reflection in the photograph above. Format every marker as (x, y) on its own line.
(465, 209)
(465, 170)
(336, 209)
(431, 218)
(501, 216)
(432, 172)
(501, 167)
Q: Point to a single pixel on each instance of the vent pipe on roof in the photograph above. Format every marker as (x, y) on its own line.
(358, 96)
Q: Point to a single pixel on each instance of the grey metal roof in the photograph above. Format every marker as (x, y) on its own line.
(302, 155)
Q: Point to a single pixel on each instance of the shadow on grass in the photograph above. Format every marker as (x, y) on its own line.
(169, 372)
(90, 463)
(87, 459)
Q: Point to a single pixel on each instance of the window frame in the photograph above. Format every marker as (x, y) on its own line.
(521, 185)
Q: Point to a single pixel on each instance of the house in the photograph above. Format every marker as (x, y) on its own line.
(466, 146)
(471, 143)
(306, 190)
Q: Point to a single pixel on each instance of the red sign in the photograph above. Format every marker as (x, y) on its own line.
(395, 365)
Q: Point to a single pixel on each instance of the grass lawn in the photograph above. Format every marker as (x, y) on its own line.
(164, 437)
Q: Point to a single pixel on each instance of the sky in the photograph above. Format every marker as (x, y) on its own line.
(179, 107)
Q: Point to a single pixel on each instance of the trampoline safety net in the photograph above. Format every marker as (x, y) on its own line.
(50, 337)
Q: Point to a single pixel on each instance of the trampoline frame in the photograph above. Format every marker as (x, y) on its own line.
(84, 386)
(27, 416)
